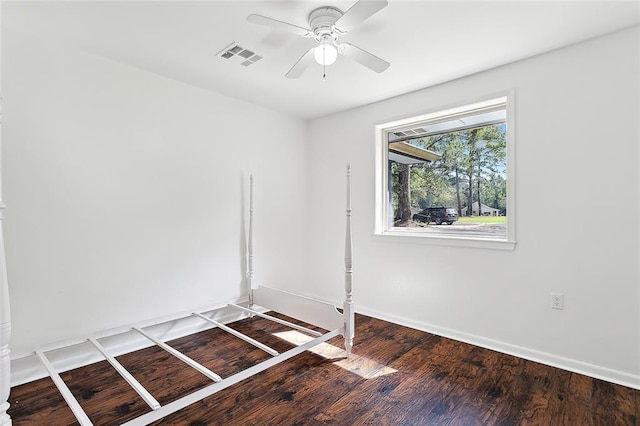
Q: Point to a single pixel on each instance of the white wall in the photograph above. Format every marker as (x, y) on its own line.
(125, 193)
(576, 137)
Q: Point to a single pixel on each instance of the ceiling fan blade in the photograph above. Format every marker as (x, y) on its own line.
(302, 64)
(362, 56)
(359, 12)
(274, 23)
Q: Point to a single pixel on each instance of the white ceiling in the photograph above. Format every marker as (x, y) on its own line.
(426, 42)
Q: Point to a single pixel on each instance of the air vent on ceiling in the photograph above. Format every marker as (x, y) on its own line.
(234, 50)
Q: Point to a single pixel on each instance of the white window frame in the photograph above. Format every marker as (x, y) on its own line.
(381, 178)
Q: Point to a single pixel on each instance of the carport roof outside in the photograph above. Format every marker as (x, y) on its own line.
(406, 153)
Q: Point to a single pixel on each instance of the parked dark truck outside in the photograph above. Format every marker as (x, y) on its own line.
(439, 215)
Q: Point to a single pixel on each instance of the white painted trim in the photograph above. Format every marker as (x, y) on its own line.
(445, 112)
(511, 166)
(575, 366)
(441, 240)
(580, 367)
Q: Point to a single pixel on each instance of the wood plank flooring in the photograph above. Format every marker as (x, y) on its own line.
(397, 376)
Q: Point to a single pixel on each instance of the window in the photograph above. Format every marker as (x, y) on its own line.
(447, 176)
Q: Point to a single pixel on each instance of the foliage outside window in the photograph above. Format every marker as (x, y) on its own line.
(446, 175)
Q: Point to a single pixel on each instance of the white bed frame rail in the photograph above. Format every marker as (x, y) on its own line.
(320, 314)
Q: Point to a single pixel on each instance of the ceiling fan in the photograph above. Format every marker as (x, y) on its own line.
(326, 25)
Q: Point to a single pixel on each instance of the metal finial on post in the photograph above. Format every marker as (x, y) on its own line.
(250, 244)
(348, 274)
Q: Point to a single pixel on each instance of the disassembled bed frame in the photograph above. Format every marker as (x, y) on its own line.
(320, 314)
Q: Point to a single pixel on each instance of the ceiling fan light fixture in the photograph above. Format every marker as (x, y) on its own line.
(327, 25)
(326, 53)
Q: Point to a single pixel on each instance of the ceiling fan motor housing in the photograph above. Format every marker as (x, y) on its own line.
(326, 25)
(322, 21)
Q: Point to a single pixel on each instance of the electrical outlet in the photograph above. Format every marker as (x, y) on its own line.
(557, 301)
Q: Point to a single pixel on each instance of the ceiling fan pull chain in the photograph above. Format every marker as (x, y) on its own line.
(324, 66)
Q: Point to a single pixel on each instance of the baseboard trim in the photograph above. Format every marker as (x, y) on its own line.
(591, 370)
(575, 366)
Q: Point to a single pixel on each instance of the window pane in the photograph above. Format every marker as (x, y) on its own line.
(449, 176)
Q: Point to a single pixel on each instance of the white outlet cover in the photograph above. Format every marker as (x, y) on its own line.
(557, 301)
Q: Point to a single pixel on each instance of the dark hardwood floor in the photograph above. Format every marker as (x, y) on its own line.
(397, 376)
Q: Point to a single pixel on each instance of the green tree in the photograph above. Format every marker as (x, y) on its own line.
(472, 165)
(495, 192)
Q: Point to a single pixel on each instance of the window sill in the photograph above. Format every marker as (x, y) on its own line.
(397, 236)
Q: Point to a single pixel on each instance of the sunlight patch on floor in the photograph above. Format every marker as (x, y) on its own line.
(360, 365)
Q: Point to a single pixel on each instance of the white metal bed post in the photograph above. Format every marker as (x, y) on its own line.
(5, 332)
(5, 327)
(349, 323)
(250, 244)
(5, 316)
